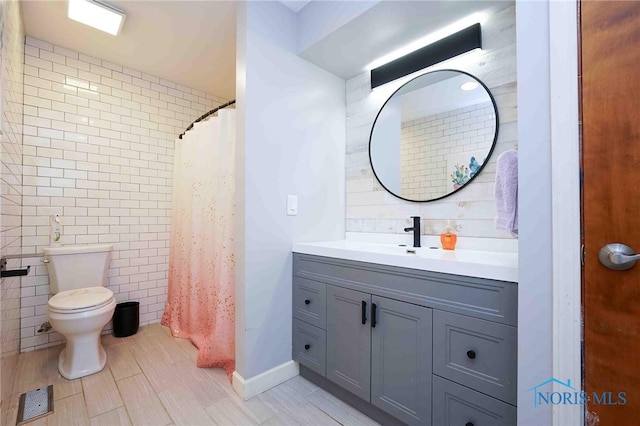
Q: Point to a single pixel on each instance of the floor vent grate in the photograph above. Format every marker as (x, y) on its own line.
(35, 404)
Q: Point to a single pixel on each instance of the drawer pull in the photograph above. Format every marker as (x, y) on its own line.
(468, 424)
(307, 301)
(307, 347)
(364, 312)
(471, 355)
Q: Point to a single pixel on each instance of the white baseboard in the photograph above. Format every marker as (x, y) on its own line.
(248, 388)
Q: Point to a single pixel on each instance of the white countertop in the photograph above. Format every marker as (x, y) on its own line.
(472, 263)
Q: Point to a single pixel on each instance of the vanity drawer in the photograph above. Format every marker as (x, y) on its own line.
(310, 301)
(309, 346)
(476, 353)
(455, 405)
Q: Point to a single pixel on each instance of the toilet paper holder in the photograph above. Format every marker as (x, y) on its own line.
(5, 273)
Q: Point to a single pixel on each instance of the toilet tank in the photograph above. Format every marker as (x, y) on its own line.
(74, 267)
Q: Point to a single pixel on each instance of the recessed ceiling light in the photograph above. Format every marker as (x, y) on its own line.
(469, 85)
(96, 14)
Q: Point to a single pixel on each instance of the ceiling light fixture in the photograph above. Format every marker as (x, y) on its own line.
(469, 85)
(463, 41)
(96, 14)
(476, 18)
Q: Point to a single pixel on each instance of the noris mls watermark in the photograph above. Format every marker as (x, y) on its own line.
(543, 394)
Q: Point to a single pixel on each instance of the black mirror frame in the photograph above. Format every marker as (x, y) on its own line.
(493, 145)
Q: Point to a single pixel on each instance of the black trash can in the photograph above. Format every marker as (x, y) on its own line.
(126, 319)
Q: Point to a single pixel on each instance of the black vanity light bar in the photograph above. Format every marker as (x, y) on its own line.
(457, 43)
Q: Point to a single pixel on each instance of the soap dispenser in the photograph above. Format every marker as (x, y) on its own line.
(448, 238)
(56, 230)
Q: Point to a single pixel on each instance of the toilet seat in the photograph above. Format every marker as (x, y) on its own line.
(80, 300)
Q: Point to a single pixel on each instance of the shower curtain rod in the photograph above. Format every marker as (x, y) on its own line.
(213, 111)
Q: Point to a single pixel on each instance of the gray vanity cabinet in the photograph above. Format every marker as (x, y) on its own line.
(349, 340)
(407, 345)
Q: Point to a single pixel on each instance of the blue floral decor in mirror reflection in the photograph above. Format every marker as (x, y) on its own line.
(462, 174)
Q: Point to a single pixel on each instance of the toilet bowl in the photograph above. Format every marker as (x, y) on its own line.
(80, 315)
(81, 305)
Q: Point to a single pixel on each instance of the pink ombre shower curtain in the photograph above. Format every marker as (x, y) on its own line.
(201, 296)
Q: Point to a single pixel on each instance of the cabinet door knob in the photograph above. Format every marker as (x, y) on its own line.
(307, 347)
(471, 355)
(468, 424)
(307, 301)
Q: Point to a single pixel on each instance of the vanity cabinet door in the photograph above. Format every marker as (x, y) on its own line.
(349, 340)
(401, 359)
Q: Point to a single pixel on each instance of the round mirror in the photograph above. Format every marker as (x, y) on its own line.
(433, 136)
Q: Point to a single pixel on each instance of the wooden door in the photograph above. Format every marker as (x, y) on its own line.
(610, 91)
(401, 359)
(349, 340)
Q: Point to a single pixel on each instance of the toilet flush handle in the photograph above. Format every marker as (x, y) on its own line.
(45, 261)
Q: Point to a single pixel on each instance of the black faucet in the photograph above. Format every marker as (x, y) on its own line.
(416, 230)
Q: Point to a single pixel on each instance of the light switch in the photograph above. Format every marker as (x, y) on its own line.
(292, 205)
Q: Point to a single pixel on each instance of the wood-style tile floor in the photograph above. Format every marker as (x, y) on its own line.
(151, 378)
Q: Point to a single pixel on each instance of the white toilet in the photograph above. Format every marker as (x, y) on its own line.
(81, 305)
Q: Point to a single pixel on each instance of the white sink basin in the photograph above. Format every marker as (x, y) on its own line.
(472, 263)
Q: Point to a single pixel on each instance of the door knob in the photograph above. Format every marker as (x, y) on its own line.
(618, 257)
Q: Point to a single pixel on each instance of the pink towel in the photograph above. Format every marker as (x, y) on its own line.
(506, 192)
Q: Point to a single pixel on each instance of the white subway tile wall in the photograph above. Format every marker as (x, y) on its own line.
(98, 151)
(427, 144)
(11, 77)
(370, 209)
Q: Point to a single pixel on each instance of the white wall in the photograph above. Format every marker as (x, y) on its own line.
(11, 86)
(318, 19)
(98, 151)
(534, 210)
(565, 154)
(290, 140)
